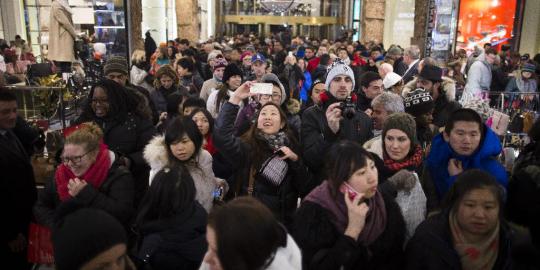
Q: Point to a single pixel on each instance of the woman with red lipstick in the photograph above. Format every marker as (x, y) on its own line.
(470, 232)
(347, 222)
(265, 159)
(90, 175)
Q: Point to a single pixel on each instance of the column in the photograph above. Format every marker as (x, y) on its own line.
(373, 20)
(420, 17)
(530, 32)
(187, 19)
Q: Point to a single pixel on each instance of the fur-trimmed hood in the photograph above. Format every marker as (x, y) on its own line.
(448, 87)
(155, 154)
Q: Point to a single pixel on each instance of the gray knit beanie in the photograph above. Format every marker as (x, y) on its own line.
(273, 79)
(401, 121)
(338, 68)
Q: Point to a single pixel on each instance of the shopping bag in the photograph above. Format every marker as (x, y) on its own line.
(40, 249)
(413, 207)
(499, 122)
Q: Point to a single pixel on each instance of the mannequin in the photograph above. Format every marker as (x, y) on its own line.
(61, 35)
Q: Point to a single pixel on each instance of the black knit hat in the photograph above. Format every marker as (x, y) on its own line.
(116, 64)
(418, 102)
(431, 73)
(231, 70)
(84, 234)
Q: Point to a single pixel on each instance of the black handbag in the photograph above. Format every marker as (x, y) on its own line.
(40, 70)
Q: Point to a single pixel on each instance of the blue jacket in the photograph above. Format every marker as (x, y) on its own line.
(304, 92)
(484, 158)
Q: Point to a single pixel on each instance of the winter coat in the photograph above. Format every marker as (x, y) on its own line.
(137, 77)
(448, 86)
(208, 87)
(317, 138)
(400, 67)
(193, 83)
(62, 34)
(211, 105)
(285, 258)
(306, 86)
(200, 169)
(363, 103)
(115, 196)
(478, 79)
(518, 84)
(245, 117)
(18, 194)
(443, 109)
(178, 242)
(160, 95)
(432, 246)
(411, 72)
(374, 145)
(325, 248)
(282, 199)
(435, 174)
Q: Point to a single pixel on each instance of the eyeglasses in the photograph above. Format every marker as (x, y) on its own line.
(75, 159)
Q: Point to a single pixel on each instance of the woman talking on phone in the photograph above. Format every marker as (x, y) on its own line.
(347, 222)
(264, 159)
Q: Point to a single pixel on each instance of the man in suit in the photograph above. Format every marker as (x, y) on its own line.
(18, 192)
(411, 57)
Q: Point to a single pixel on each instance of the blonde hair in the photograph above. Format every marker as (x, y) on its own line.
(138, 56)
(88, 134)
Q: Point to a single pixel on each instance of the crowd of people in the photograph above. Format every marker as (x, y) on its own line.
(174, 163)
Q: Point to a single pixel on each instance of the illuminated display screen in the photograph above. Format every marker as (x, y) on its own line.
(485, 21)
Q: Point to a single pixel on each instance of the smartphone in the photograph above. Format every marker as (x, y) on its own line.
(218, 193)
(346, 188)
(261, 88)
(280, 153)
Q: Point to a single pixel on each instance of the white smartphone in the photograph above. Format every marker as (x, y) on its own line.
(261, 88)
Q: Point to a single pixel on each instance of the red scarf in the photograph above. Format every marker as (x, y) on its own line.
(414, 161)
(209, 146)
(326, 96)
(95, 175)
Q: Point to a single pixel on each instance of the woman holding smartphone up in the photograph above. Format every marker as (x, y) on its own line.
(264, 159)
(347, 222)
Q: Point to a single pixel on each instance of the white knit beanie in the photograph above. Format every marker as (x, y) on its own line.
(338, 68)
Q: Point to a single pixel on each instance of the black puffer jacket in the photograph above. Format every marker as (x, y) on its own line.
(317, 136)
(323, 247)
(175, 243)
(431, 246)
(281, 200)
(114, 196)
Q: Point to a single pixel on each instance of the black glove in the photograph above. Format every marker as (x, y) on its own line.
(403, 180)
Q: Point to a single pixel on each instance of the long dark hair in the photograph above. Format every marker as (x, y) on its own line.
(259, 146)
(207, 115)
(247, 234)
(176, 130)
(171, 192)
(222, 94)
(117, 97)
(343, 160)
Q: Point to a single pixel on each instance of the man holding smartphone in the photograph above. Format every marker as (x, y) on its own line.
(325, 123)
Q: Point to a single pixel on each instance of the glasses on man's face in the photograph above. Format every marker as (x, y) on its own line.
(100, 101)
(74, 159)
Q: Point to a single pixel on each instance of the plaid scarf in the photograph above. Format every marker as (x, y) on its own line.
(413, 161)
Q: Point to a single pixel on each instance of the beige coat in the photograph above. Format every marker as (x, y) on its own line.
(61, 35)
